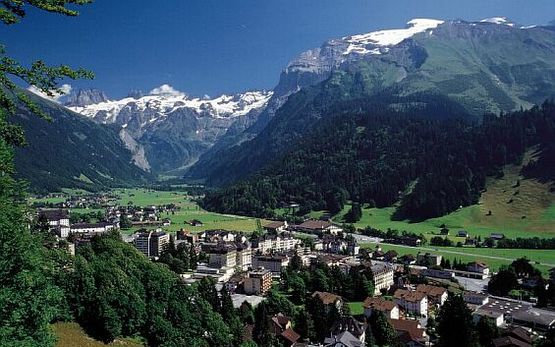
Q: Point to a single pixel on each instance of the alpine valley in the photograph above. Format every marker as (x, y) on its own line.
(340, 122)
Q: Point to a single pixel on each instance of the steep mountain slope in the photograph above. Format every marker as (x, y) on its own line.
(166, 129)
(72, 151)
(488, 66)
(414, 158)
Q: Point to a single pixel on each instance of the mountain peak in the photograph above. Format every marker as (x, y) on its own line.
(498, 21)
(85, 97)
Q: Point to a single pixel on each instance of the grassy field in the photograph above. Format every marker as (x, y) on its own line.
(188, 210)
(72, 335)
(356, 308)
(542, 259)
(526, 209)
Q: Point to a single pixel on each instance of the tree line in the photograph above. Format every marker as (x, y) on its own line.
(427, 162)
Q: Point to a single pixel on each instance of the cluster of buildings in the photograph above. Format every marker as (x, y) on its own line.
(141, 216)
(82, 201)
(59, 222)
(430, 264)
(247, 266)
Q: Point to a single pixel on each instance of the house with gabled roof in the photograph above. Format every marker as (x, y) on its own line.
(412, 302)
(388, 308)
(436, 295)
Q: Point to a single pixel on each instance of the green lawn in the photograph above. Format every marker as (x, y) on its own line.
(519, 207)
(356, 308)
(468, 218)
(493, 257)
(72, 335)
(188, 210)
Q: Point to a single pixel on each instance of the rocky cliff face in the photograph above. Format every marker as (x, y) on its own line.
(492, 65)
(85, 97)
(168, 130)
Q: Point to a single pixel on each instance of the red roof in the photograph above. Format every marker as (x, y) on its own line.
(315, 224)
(327, 298)
(410, 327)
(290, 335)
(379, 304)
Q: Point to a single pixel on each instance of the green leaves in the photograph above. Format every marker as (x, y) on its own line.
(12, 11)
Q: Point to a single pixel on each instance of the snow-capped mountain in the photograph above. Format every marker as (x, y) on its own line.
(167, 129)
(163, 101)
(490, 65)
(85, 97)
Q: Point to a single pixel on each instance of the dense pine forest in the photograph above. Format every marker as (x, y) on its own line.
(425, 156)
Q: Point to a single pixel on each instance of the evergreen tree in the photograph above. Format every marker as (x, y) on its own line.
(304, 325)
(487, 331)
(383, 332)
(28, 296)
(354, 214)
(455, 326)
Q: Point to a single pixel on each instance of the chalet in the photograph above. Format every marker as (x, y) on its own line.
(344, 339)
(184, 235)
(329, 299)
(436, 295)
(389, 308)
(318, 227)
(497, 236)
(276, 226)
(348, 323)
(412, 302)
(462, 233)
(477, 267)
(195, 223)
(281, 327)
(236, 283)
(410, 332)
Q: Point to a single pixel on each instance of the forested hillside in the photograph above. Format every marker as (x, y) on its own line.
(409, 154)
(71, 151)
(484, 67)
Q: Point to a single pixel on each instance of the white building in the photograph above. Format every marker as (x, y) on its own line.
(93, 228)
(412, 302)
(58, 221)
(382, 275)
(389, 308)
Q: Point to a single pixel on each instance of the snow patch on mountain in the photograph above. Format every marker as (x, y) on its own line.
(359, 43)
(164, 100)
(498, 20)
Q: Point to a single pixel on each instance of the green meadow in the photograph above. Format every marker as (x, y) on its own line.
(188, 210)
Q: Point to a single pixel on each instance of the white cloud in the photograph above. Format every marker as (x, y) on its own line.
(166, 89)
(64, 90)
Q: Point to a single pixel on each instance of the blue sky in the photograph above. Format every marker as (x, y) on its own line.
(226, 46)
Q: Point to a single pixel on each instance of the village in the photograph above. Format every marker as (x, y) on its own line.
(408, 290)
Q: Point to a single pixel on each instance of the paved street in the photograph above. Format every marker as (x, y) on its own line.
(473, 284)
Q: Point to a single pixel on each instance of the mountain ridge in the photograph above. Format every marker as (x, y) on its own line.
(485, 67)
